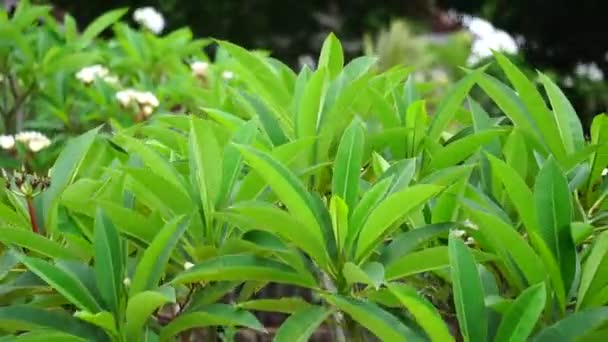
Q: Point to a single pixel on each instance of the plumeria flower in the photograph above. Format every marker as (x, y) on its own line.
(199, 68)
(35, 141)
(149, 18)
(125, 97)
(146, 98)
(188, 265)
(88, 74)
(7, 142)
(147, 101)
(228, 75)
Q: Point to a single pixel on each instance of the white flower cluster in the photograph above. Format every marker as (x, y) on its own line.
(149, 18)
(487, 38)
(590, 71)
(88, 74)
(34, 141)
(145, 99)
(199, 68)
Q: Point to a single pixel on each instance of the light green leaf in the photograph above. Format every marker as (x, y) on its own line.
(391, 211)
(347, 165)
(375, 319)
(36, 243)
(100, 24)
(423, 311)
(211, 315)
(371, 273)
(574, 326)
(522, 316)
(141, 307)
(109, 265)
(302, 324)
(102, 319)
(332, 56)
(244, 268)
(64, 282)
(155, 258)
(594, 276)
(287, 305)
(460, 149)
(311, 104)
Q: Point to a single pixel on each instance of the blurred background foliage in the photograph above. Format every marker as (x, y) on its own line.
(554, 36)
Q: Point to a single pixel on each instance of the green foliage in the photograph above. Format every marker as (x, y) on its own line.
(403, 226)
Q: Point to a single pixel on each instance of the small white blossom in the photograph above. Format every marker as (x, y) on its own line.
(125, 97)
(149, 18)
(7, 142)
(111, 79)
(127, 282)
(227, 75)
(568, 81)
(590, 71)
(188, 265)
(199, 68)
(146, 98)
(147, 110)
(35, 141)
(458, 232)
(88, 74)
(470, 241)
(605, 172)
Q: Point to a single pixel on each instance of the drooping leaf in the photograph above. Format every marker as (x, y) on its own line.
(36, 243)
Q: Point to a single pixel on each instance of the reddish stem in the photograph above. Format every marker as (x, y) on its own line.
(32, 212)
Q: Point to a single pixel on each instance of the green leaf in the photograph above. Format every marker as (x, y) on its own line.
(450, 104)
(513, 250)
(416, 120)
(378, 321)
(287, 305)
(211, 315)
(263, 216)
(102, 319)
(155, 258)
(460, 149)
(64, 282)
(338, 211)
(574, 326)
(554, 209)
(519, 321)
(406, 242)
(569, 125)
(468, 292)
(233, 162)
(371, 273)
(599, 136)
(424, 260)
(535, 104)
(141, 307)
(63, 173)
(25, 317)
(205, 164)
(36, 243)
(391, 211)
(244, 268)
(100, 24)
(46, 336)
(287, 187)
(311, 105)
(594, 277)
(109, 266)
(423, 311)
(347, 165)
(302, 324)
(332, 56)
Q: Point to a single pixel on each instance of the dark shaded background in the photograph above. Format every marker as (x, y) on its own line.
(558, 33)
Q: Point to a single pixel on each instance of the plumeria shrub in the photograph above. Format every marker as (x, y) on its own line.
(406, 222)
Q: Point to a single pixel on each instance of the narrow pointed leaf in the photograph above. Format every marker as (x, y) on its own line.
(348, 164)
(302, 324)
(521, 318)
(109, 266)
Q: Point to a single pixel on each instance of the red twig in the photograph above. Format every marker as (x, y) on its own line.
(32, 212)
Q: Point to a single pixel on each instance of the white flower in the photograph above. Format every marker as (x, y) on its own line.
(199, 68)
(487, 38)
(605, 172)
(125, 96)
(7, 142)
(35, 141)
(227, 75)
(126, 282)
(470, 241)
(439, 75)
(111, 79)
(188, 265)
(147, 110)
(146, 98)
(590, 71)
(149, 18)
(568, 81)
(88, 74)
